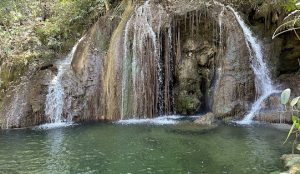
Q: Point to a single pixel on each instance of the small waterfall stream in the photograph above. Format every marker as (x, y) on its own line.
(55, 98)
(263, 82)
(147, 69)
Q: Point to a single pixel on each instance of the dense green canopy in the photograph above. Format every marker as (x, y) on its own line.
(39, 29)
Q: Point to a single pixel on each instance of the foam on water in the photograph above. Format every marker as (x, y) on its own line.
(55, 125)
(163, 120)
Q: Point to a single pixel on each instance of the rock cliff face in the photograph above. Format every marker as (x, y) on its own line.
(200, 63)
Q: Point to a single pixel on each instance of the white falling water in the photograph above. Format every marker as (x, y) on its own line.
(141, 24)
(263, 81)
(162, 120)
(220, 18)
(55, 97)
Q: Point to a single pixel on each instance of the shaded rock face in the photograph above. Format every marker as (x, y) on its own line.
(214, 72)
(290, 54)
(291, 81)
(194, 76)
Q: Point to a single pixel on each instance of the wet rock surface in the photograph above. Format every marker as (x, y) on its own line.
(24, 105)
(206, 120)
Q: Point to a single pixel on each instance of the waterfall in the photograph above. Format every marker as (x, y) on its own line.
(219, 70)
(55, 98)
(263, 81)
(146, 70)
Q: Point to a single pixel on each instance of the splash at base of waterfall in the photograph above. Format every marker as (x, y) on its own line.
(163, 120)
(248, 119)
(55, 125)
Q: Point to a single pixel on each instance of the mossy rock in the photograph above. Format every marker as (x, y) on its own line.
(187, 103)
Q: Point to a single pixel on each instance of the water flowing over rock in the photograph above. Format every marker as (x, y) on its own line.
(147, 64)
(151, 58)
(155, 60)
(55, 99)
(263, 81)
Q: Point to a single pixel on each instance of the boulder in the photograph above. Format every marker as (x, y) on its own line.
(206, 120)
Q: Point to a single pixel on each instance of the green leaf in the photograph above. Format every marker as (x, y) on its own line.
(295, 119)
(285, 96)
(290, 132)
(295, 101)
(297, 125)
(298, 147)
(298, 104)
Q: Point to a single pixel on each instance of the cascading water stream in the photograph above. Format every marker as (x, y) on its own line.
(141, 23)
(263, 82)
(55, 97)
(146, 70)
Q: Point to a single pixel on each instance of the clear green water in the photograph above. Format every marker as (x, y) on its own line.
(111, 148)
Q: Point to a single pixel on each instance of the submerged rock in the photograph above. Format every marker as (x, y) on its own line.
(188, 127)
(292, 161)
(206, 120)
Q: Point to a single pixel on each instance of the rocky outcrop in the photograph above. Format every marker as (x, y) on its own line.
(194, 76)
(88, 65)
(290, 81)
(290, 53)
(213, 76)
(235, 90)
(24, 105)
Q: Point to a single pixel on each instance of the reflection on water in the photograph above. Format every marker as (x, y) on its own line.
(57, 159)
(115, 148)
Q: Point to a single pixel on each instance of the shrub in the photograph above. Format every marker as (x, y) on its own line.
(294, 106)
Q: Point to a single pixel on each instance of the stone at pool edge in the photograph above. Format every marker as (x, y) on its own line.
(292, 162)
(206, 120)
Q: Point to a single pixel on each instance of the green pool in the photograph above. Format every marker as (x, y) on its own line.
(115, 148)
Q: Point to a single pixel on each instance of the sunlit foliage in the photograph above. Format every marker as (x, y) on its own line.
(38, 30)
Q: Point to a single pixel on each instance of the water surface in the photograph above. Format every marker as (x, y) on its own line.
(115, 148)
